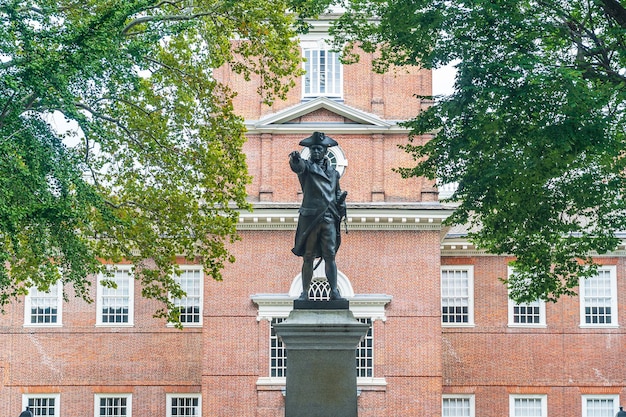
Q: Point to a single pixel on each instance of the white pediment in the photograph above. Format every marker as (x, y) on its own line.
(349, 120)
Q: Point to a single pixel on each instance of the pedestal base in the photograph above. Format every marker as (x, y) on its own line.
(321, 362)
(321, 305)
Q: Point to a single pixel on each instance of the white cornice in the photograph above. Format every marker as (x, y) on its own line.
(461, 246)
(375, 217)
(341, 109)
(360, 121)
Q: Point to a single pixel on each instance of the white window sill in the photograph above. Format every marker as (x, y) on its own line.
(187, 325)
(599, 326)
(528, 326)
(466, 325)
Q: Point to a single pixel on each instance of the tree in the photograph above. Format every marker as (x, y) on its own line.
(534, 131)
(155, 169)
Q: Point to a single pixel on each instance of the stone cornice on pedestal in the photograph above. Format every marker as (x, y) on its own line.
(362, 305)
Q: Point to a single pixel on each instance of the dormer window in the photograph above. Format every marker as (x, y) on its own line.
(324, 74)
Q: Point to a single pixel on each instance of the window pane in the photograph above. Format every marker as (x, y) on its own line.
(365, 353)
(527, 313)
(322, 73)
(113, 406)
(527, 407)
(191, 282)
(44, 305)
(598, 298)
(42, 406)
(116, 301)
(600, 407)
(455, 296)
(278, 353)
(185, 406)
(456, 407)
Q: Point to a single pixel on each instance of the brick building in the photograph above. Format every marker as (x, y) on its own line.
(444, 339)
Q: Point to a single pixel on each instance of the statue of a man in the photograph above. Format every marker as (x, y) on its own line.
(323, 207)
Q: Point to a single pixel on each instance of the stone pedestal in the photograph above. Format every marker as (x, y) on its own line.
(321, 359)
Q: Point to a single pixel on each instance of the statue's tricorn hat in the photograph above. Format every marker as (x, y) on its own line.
(318, 138)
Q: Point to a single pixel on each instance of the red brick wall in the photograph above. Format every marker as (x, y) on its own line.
(80, 359)
(371, 160)
(390, 96)
(403, 264)
(564, 361)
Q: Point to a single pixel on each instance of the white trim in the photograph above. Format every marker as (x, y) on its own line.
(59, 306)
(131, 298)
(471, 397)
(612, 269)
(458, 244)
(470, 294)
(285, 217)
(585, 397)
(357, 121)
(57, 402)
(98, 397)
(168, 401)
(542, 397)
(287, 115)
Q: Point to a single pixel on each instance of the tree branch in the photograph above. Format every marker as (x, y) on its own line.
(145, 19)
(164, 2)
(6, 107)
(614, 9)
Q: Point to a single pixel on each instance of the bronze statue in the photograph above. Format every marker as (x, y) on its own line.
(323, 207)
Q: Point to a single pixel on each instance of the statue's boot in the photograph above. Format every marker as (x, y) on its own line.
(334, 292)
(307, 277)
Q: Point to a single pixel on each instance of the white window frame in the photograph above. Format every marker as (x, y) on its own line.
(332, 66)
(538, 303)
(612, 270)
(171, 396)
(542, 397)
(365, 363)
(470, 397)
(177, 301)
(131, 298)
(56, 397)
(470, 294)
(28, 304)
(586, 397)
(98, 397)
(277, 371)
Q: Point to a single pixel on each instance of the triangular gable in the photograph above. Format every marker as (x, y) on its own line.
(321, 114)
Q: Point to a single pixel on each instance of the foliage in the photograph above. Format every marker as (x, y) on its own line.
(534, 131)
(155, 169)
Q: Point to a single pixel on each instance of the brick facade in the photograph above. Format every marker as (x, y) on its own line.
(395, 248)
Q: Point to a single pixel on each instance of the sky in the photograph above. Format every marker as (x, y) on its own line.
(443, 80)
